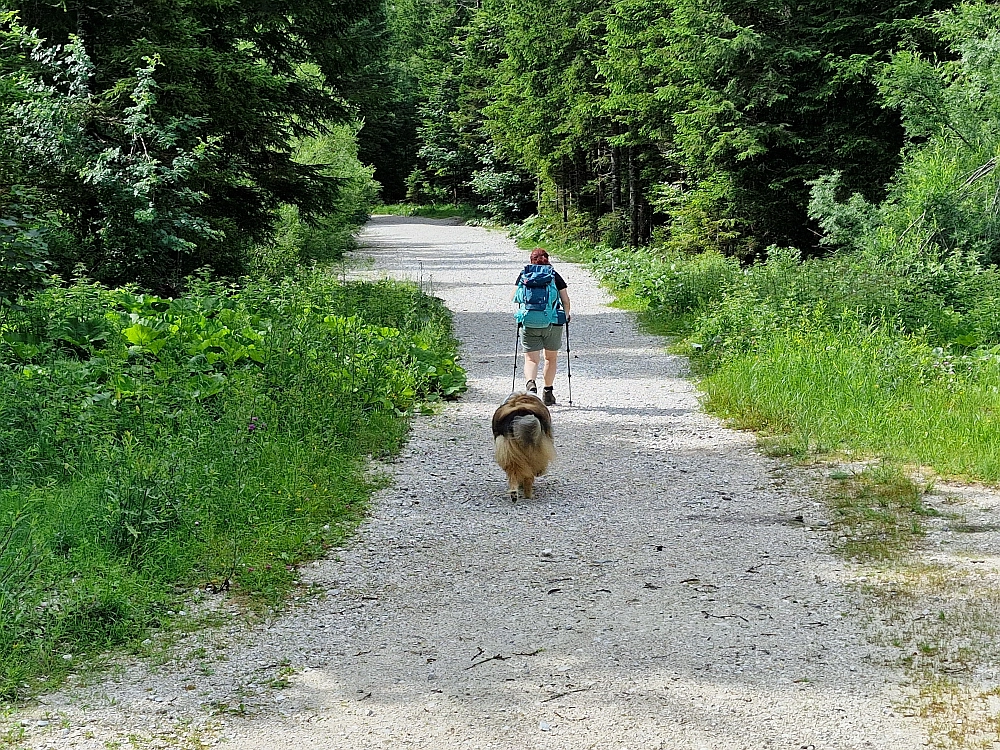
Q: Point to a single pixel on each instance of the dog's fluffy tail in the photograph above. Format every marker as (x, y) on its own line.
(527, 452)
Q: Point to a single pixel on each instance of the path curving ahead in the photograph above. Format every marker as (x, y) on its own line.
(658, 592)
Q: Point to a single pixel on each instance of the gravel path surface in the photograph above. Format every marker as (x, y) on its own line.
(664, 589)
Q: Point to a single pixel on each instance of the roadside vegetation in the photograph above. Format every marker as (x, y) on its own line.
(152, 446)
(191, 390)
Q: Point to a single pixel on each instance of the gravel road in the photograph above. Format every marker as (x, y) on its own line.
(668, 587)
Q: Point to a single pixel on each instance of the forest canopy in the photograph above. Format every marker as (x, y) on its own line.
(143, 142)
(700, 124)
(140, 145)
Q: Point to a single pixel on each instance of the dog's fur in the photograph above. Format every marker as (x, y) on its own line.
(522, 438)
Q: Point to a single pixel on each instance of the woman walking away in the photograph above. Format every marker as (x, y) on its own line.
(543, 309)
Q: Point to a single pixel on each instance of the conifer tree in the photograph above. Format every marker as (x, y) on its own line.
(236, 82)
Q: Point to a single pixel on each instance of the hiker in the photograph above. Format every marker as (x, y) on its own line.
(541, 323)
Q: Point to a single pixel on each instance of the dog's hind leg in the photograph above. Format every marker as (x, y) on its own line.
(528, 485)
(512, 488)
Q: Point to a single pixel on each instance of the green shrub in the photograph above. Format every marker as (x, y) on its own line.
(310, 239)
(505, 193)
(892, 356)
(150, 446)
(674, 284)
(869, 390)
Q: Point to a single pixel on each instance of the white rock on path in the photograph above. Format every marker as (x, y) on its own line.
(656, 593)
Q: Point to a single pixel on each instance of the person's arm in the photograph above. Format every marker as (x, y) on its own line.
(564, 296)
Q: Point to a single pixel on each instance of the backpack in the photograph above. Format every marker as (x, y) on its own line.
(537, 297)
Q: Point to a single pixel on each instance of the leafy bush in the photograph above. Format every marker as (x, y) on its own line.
(131, 195)
(152, 445)
(506, 193)
(945, 195)
(874, 355)
(306, 239)
(672, 283)
(24, 254)
(943, 201)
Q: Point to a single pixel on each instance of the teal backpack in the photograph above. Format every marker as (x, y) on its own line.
(537, 298)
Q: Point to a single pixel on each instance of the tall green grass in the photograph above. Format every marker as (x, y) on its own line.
(150, 447)
(873, 392)
(847, 353)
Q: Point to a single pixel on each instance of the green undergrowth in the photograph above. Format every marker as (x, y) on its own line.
(151, 447)
(833, 355)
(870, 391)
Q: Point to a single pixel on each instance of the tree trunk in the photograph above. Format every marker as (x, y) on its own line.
(633, 200)
(614, 194)
(599, 199)
(644, 222)
(562, 186)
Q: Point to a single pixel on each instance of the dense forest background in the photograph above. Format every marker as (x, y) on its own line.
(694, 124)
(143, 145)
(142, 141)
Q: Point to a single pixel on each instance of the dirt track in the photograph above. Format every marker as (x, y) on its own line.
(665, 589)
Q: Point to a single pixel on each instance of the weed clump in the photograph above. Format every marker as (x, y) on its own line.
(151, 447)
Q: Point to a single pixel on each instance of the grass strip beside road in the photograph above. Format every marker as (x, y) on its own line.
(156, 451)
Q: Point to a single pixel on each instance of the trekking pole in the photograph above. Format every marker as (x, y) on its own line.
(517, 339)
(569, 369)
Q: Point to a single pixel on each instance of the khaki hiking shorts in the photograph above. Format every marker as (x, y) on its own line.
(536, 339)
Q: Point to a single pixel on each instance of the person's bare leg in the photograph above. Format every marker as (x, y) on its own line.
(549, 371)
(531, 360)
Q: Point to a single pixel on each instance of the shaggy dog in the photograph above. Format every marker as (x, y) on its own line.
(522, 438)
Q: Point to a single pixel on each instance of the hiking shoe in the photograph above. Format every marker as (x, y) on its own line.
(548, 397)
(530, 387)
